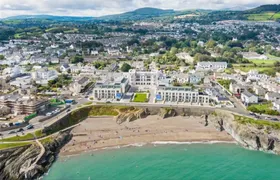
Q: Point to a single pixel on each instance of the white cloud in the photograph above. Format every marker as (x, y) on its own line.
(105, 7)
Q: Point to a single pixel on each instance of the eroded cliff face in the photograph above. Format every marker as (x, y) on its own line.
(14, 161)
(248, 135)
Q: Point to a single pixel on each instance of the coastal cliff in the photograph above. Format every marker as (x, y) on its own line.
(252, 134)
(17, 163)
(14, 162)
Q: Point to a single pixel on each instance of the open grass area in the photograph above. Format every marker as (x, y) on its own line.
(259, 123)
(12, 145)
(263, 108)
(26, 137)
(268, 62)
(265, 16)
(39, 134)
(265, 70)
(140, 97)
(224, 83)
(46, 140)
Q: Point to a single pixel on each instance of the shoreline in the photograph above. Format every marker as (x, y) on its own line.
(155, 144)
(95, 134)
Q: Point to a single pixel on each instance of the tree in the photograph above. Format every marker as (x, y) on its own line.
(277, 64)
(2, 57)
(76, 59)
(210, 44)
(125, 67)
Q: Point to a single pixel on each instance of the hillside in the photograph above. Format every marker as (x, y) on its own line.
(264, 13)
(138, 14)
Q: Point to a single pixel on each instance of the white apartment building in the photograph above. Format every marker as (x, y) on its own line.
(111, 89)
(144, 79)
(211, 66)
(181, 94)
(43, 76)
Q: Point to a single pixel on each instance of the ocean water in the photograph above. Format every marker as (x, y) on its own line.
(185, 161)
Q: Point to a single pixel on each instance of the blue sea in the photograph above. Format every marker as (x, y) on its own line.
(192, 161)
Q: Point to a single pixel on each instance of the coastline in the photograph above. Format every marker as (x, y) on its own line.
(100, 133)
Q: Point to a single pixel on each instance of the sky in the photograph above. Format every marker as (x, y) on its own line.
(105, 7)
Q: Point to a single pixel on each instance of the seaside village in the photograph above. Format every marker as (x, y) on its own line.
(41, 78)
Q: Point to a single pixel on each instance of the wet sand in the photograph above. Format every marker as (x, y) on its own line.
(102, 132)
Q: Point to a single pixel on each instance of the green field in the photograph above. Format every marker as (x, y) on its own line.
(259, 62)
(140, 97)
(265, 108)
(267, 69)
(26, 137)
(265, 16)
(12, 145)
(259, 123)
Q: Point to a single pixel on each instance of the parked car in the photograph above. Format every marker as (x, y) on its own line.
(30, 126)
(274, 119)
(20, 130)
(12, 132)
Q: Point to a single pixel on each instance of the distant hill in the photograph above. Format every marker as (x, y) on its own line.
(137, 14)
(264, 13)
(265, 8)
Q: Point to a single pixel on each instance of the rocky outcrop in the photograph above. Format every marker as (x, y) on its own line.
(263, 138)
(167, 112)
(131, 115)
(13, 161)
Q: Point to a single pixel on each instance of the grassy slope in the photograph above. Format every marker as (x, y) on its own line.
(12, 145)
(259, 123)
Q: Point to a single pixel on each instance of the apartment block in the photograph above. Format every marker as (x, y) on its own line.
(111, 89)
(180, 94)
(23, 105)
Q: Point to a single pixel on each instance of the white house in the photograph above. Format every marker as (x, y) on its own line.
(79, 85)
(12, 71)
(64, 67)
(276, 105)
(211, 66)
(249, 98)
(259, 90)
(43, 76)
(272, 96)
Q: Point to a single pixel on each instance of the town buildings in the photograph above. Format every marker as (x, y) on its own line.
(111, 88)
(211, 66)
(23, 104)
(181, 94)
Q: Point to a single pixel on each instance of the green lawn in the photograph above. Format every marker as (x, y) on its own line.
(140, 97)
(12, 145)
(259, 123)
(46, 140)
(264, 108)
(259, 62)
(26, 137)
(265, 16)
(225, 83)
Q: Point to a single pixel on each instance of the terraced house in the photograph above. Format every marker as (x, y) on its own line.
(181, 94)
(111, 89)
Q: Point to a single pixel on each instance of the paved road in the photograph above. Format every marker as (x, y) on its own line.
(81, 100)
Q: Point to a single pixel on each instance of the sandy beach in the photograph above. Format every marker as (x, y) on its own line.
(101, 132)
